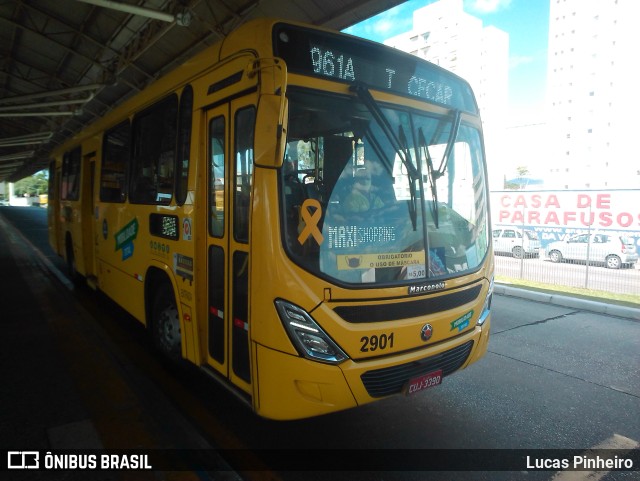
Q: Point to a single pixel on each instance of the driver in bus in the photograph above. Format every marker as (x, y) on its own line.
(362, 197)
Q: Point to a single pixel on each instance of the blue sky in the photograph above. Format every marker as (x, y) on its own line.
(526, 22)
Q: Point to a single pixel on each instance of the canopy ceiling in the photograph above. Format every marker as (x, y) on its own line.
(66, 62)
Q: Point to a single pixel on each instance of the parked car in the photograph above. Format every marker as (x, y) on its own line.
(517, 242)
(612, 250)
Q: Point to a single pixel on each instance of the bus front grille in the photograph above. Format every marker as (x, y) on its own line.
(391, 380)
(413, 308)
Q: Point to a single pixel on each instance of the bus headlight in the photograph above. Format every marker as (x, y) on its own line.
(307, 336)
(486, 309)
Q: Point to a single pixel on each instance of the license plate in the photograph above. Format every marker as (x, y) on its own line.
(423, 382)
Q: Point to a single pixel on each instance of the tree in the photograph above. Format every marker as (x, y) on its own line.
(508, 185)
(33, 186)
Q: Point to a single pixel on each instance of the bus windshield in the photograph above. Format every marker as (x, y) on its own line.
(377, 194)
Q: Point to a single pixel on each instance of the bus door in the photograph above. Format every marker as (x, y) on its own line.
(230, 170)
(53, 207)
(88, 211)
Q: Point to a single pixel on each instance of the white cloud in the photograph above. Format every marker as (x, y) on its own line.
(518, 60)
(487, 6)
(384, 25)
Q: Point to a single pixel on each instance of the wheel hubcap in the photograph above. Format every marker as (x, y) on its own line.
(169, 329)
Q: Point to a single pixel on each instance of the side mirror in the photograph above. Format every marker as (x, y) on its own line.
(272, 112)
(271, 130)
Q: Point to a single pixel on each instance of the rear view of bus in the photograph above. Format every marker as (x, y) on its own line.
(376, 258)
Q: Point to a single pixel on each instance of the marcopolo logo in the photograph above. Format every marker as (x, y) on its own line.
(23, 460)
(430, 287)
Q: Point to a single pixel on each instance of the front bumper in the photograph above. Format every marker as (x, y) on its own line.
(291, 387)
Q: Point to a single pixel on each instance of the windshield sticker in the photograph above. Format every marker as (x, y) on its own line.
(462, 322)
(416, 271)
(380, 261)
(125, 237)
(311, 212)
(353, 236)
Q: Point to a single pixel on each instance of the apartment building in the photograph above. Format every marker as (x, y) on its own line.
(592, 94)
(446, 35)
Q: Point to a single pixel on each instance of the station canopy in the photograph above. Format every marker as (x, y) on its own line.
(65, 63)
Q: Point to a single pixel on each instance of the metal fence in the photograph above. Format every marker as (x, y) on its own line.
(584, 275)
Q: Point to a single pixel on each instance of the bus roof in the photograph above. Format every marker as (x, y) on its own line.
(308, 50)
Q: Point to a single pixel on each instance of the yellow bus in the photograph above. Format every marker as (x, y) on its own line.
(301, 213)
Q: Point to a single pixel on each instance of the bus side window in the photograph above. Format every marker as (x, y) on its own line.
(115, 161)
(52, 191)
(244, 131)
(154, 150)
(184, 144)
(216, 177)
(71, 175)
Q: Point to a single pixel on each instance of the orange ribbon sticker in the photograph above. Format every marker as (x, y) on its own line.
(311, 213)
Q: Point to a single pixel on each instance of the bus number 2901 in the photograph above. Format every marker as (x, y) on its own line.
(373, 343)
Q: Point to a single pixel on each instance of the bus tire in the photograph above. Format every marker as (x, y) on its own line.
(165, 324)
(72, 271)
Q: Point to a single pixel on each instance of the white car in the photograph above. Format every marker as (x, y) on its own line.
(517, 242)
(612, 250)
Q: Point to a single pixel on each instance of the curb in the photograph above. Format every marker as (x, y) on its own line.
(568, 301)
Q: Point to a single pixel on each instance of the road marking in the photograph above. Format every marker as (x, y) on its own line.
(621, 444)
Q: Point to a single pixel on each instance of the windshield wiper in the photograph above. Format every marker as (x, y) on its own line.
(413, 203)
(453, 135)
(422, 144)
(362, 91)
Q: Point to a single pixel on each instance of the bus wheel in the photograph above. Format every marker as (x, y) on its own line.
(166, 323)
(72, 271)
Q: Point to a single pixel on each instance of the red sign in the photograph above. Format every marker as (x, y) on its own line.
(612, 209)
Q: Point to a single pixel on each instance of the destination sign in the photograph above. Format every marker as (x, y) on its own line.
(350, 59)
(164, 226)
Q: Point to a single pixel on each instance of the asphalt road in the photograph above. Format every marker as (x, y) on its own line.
(553, 378)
